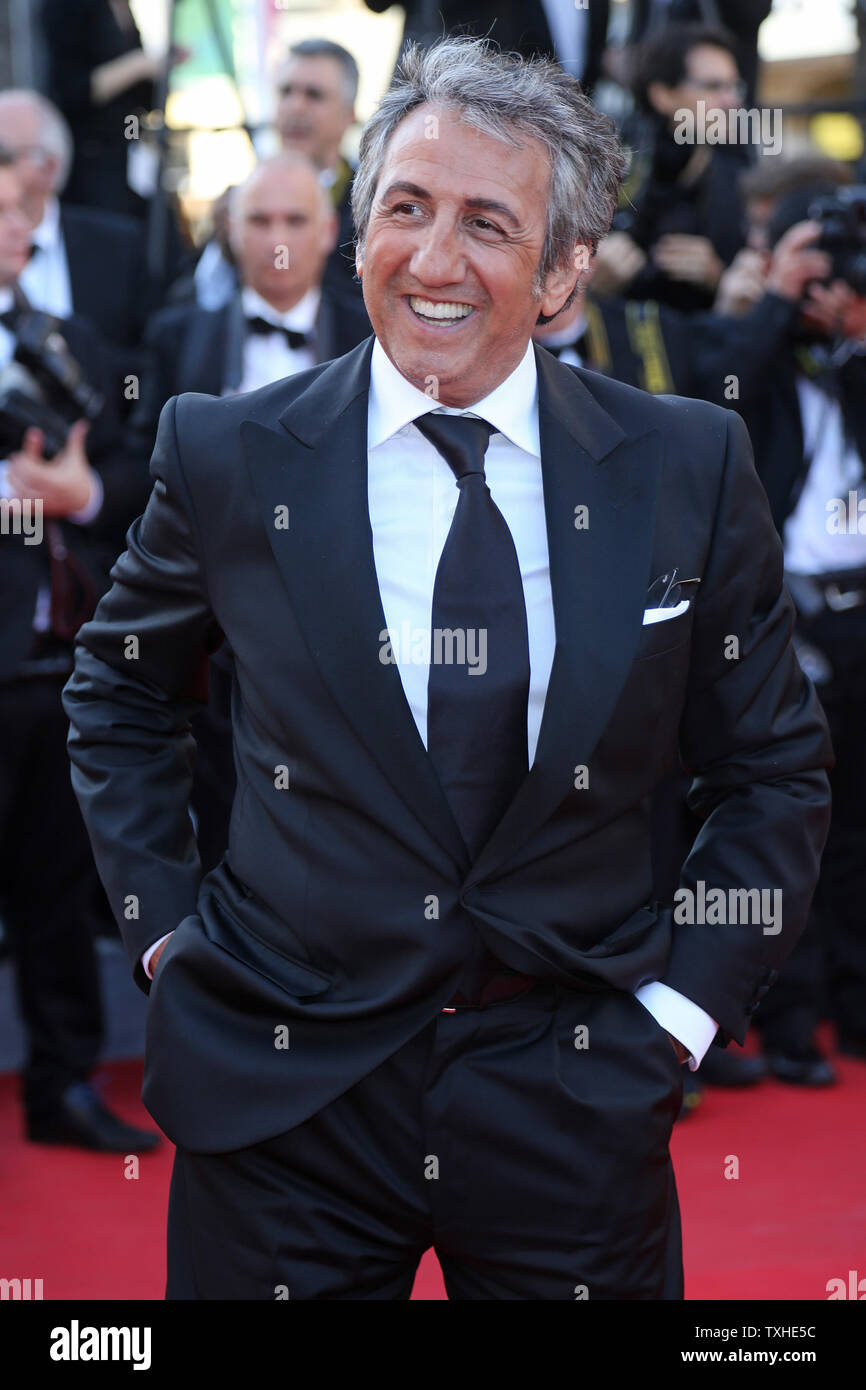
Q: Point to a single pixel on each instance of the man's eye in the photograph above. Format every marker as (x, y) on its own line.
(401, 207)
(485, 225)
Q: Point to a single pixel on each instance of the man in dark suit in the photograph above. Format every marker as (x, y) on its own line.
(82, 500)
(282, 320)
(317, 86)
(426, 998)
(83, 261)
(808, 419)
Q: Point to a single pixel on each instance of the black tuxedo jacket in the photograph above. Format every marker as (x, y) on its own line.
(125, 484)
(336, 925)
(188, 348)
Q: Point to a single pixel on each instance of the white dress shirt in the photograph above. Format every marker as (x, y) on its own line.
(811, 547)
(267, 356)
(412, 496)
(45, 278)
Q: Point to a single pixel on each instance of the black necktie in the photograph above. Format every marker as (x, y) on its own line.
(293, 338)
(478, 688)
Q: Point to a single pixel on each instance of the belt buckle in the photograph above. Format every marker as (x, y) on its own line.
(840, 602)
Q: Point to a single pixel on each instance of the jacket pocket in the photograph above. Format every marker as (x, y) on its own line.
(226, 929)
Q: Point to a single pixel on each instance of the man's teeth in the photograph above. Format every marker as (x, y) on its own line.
(429, 309)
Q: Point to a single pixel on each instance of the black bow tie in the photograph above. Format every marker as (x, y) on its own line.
(293, 338)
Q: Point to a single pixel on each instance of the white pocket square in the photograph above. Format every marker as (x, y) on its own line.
(661, 615)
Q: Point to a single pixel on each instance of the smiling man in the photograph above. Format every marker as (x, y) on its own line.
(426, 998)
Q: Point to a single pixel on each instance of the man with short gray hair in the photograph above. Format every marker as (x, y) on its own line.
(317, 86)
(426, 999)
(83, 261)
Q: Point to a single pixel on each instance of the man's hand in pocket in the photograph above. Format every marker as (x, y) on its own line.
(682, 1052)
(154, 960)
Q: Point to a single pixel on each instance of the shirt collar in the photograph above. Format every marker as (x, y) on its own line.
(301, 317)
(7, 298)
(511, 407)
(47, 234)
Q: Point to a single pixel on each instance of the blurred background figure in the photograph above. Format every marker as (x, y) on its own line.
(317, 86)
(572, 33)
(99, 75)
(51, 576)
(808, 427)
(82, 260)
(741, 18)
(681, 219)
(283, 318)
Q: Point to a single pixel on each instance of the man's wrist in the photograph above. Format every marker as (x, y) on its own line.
(680, 1049)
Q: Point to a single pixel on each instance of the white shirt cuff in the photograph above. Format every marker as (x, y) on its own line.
(92, 507)
(688, 1022)
(145, 959)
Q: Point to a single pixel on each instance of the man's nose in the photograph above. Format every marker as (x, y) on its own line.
(438, 257)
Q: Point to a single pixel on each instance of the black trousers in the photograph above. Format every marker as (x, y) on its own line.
(527, 1142)
(46, 879)
(825, 976)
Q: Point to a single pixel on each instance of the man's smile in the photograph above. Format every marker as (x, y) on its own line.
(439, 314)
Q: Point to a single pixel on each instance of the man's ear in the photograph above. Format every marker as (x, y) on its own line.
(560, 283)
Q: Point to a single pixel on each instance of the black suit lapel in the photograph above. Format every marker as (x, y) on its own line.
(316, 465)
(599, 575)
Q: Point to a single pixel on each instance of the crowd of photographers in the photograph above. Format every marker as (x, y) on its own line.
(727, 276)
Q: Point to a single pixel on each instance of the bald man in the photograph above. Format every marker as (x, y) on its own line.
(282, 320)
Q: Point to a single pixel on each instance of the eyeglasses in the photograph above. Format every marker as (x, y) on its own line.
(34, 154)
(311, 93)
(738, 87)
(666, 591)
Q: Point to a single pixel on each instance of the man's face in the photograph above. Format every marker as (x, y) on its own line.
(312, 112)
(14, 228)
(281, 232)
(711, 76)
(21, 135)
(458, 223)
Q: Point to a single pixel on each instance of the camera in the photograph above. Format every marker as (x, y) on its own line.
(842, 216)
(44, 386)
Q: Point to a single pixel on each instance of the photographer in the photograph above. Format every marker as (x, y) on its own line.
(62, 521)
(808, 427)
(680, 219)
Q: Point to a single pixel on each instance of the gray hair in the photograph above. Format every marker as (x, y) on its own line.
(55, 135)
(507, 96)
(326, 48)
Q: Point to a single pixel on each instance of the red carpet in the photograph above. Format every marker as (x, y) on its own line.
(795, 1217)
